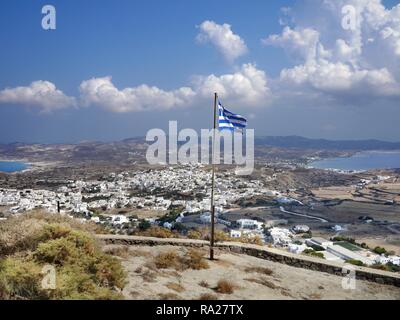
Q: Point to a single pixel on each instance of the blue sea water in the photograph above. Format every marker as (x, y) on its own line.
(362, 161)
(12, 166)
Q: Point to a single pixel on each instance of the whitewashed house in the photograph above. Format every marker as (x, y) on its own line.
(235, 233)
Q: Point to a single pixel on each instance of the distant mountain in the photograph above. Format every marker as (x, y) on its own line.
(139, 143)
(306, 143)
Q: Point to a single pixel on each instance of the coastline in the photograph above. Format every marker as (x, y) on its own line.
(31, 166)
(352, 155)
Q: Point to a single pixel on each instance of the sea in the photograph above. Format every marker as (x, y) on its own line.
(12, 166)
(361, 161)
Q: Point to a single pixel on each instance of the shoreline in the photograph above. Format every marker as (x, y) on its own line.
(31, 166)
(351, 155)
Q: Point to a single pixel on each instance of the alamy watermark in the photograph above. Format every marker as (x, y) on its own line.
(186, 147)
(351, 18)
(349, 279)
(49, 18)
(49, 277)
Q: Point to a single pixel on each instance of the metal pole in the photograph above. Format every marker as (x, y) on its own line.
(213, 181)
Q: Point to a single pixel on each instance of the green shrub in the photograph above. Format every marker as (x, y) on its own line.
(313, 253)
(83, 270)
(20, 279)
(380, 250)
(144, 225)
(355, 262)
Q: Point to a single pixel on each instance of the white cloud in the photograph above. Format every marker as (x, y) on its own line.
(41, 94)
(247, 87)
(302, 43)
(338, 77)
(230, 45)
(329, 59)
(102, 92)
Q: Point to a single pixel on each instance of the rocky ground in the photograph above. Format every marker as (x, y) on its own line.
(231, 276)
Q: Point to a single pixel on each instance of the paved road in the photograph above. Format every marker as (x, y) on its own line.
(302, 215)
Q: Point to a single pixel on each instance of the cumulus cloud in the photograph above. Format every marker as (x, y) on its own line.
(300, 44)
(248, 87)
(41, 94)
(102, 92)
(330, 59)
(230, 45)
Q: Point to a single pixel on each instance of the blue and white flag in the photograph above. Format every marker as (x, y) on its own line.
(229, 120)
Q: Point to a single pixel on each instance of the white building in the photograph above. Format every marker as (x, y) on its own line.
(279, 236)
(118, 219)
(249, 224)
(382, 259)
(395, 260)
(235, 233)
(296, 248)
(337, 228)
(301, 228)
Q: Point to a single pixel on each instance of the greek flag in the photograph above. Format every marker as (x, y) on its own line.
(229, 120)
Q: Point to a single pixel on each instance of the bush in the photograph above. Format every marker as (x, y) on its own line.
(252, 240)
(208, 296)
(219, 235)
(355, 262)
(180, 227)
(144, 225)
(225, 287)
(20, 233)
(83, 271)
(158, 232)
(306, 236)
(380, 250)
(194, 234)
(166, 260)
(20, 279)
(194, 259)
(313, 253)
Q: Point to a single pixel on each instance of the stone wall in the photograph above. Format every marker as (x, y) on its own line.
(299, 261)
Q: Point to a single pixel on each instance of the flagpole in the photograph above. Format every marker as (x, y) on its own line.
(213, 181)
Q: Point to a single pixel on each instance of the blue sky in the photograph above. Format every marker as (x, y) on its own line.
(156, 43)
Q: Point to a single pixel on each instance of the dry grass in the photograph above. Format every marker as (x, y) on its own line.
(194, 234)
(225, 287)
(149, 276)
(208, 296)
(83, 270)
(261, 270)
(19, 233)
(315, 296)
(139, 253)
(158, 232)
(175, 286)
(169, 296)
(166, 260)
(250, 240)
(120, 251)
(192, 259)
(263, 282)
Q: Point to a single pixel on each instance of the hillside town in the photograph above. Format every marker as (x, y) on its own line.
(185, 191)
